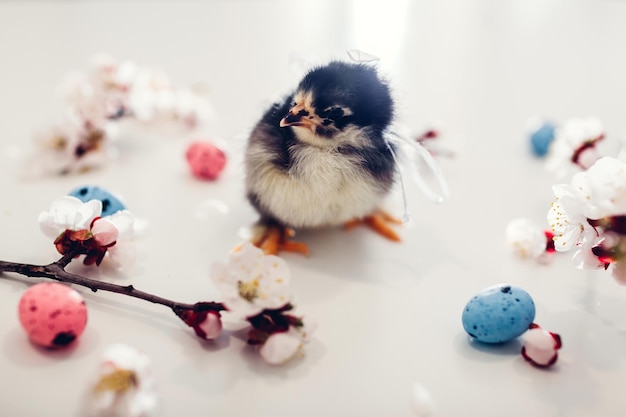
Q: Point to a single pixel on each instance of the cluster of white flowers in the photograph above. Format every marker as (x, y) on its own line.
(112, 89)
(95, 100)
(254, 286)
(113, 235)
(589, 216)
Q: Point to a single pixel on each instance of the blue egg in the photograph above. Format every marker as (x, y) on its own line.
(110, 203)
(541, 139)
(498, 314)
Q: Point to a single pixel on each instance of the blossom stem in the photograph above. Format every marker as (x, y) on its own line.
(65, 260)
(56, 271)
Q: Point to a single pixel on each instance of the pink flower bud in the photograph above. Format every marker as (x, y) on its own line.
(540, 346)
(207, 324)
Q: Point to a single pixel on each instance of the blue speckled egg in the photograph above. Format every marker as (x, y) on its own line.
(498, 314)
(541, 138)
(110, 203)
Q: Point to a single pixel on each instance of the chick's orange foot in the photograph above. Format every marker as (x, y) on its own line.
(275, 238)
(379, 222)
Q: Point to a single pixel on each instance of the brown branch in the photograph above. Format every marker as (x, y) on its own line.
(56, 271)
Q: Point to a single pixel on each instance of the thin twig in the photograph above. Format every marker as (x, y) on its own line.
(56, 271)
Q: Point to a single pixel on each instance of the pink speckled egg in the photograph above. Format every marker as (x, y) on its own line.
(52, 314)
(205, 160)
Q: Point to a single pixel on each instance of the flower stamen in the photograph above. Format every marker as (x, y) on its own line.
(249, 291)
(120, 380)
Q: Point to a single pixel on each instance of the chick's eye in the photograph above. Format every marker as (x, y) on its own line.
(334, 113)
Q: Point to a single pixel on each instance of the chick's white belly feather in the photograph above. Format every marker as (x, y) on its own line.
(323, 188)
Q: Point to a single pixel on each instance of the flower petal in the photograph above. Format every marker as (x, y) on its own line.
(60, 217)
(86, 213)
(124, 221)
(123, 254)
(280, 348)
(211, 326)
(68, 213)
(104, 232)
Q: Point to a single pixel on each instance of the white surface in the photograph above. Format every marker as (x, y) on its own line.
(389, 314)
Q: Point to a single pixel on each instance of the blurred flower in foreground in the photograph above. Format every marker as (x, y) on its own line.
(527, 240)
(575, 145)
(125, 385)
(589, 215)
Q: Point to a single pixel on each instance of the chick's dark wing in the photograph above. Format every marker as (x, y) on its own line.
(270, 139)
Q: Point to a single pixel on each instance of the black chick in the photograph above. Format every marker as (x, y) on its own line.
(319, 157)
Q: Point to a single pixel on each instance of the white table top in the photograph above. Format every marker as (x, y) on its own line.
(388, 314)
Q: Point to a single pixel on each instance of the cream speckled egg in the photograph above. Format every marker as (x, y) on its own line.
(52, 314)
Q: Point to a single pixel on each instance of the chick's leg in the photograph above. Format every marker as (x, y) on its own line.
(274, 238)
(379, 221)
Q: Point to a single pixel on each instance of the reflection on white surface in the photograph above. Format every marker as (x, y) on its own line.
(209, 207)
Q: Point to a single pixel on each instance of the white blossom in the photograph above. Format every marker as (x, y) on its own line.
(252, 281)
(125, 385)
(70, 213)
(568, 144)
(525, 238)
(567, 217)
(71, 145)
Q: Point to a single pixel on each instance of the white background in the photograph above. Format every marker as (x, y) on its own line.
(389, 314)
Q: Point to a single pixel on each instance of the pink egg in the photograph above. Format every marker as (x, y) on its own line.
(205, 160)
(52, 314)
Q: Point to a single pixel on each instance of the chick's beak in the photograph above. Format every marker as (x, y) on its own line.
(291, 119)
(298, 116)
